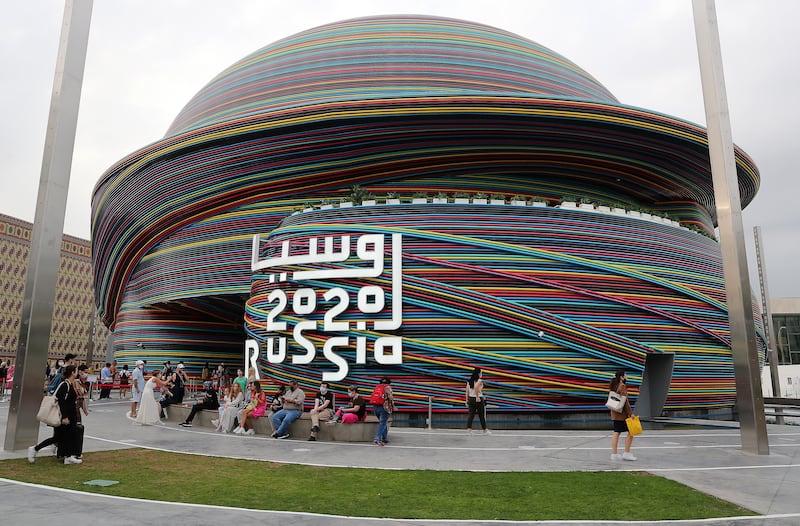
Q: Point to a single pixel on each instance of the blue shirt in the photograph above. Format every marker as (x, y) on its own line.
(138, 379)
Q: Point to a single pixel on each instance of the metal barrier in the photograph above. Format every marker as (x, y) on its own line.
(781, 408)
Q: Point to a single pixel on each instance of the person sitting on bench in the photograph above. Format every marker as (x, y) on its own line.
(209, 401)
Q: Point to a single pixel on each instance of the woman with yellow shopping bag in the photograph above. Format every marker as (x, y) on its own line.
(618, 418)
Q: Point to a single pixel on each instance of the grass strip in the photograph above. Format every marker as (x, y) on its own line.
(408, 494)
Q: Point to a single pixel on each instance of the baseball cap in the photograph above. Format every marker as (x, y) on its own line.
(180, 366)
(139, 362)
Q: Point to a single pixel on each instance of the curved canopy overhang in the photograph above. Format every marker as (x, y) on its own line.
(327, 147)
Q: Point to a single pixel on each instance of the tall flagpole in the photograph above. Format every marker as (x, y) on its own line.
(749, 398)
(41, 277)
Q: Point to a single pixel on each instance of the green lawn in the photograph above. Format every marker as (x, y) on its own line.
(414, 494)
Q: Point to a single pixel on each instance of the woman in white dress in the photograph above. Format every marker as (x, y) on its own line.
(149, 409)
(232, 408)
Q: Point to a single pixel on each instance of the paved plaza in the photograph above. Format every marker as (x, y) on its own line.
(708, 459)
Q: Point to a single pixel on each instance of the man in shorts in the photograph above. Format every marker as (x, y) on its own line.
(137, 386)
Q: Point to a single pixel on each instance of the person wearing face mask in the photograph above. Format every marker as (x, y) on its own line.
(137, 386)
(323, 405)
(618, 418)
(356, 409)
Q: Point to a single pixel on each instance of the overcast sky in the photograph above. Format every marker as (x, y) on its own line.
(147, 58)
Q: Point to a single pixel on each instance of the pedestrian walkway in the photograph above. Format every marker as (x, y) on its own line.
(707, 459)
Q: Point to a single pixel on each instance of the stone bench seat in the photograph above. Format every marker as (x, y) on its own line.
(300, 429)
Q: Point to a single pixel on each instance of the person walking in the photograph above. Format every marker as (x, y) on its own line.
(383, 405)
(473, 399)
(66, 435)
(3, 376)
(617, 385)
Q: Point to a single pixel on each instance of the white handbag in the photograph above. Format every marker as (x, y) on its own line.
(616, 401)
(49, 412)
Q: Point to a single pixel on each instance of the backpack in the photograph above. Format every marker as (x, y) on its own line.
(54, 383)
(376, 398)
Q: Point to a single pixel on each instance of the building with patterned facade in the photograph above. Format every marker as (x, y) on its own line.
(530, 236)
(75, 325)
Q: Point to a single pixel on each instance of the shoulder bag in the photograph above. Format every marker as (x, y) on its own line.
(616, 401)
(49, 412)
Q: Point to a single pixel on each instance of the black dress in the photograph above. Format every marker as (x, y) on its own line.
(69, 437)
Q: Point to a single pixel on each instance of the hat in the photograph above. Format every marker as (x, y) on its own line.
(139, 362)
(180, 366)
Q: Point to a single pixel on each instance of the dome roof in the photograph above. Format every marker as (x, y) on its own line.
(396, 100)
(387, 57)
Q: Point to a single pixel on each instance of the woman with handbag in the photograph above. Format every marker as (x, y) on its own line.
(618, 418)
(66, 434)
(474, 400)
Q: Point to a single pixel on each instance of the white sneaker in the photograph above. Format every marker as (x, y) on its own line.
(487, 432)
(72, 460)
(628, 456)
(250, 431)
(32, 454)
(215, 422)
(615, 456)
(238, 431)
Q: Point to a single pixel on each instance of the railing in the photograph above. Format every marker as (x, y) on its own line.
(781, 408)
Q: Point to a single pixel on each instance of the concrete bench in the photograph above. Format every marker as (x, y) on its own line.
(300, 429)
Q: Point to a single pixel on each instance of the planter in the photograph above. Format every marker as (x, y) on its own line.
(605, 209)
(325, 207)
(647, 216)
(540, 204)
(517, 203)
(440, 200)
(479, 201)
(569, 204)
(586, 206)
(497, 201)
(461, 200)
(369, 202)
(393, 201)
(618, 211)
(419, 200)
(309, 209)
(345, 204)
(634, 213)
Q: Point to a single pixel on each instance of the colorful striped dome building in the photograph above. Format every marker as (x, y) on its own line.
(232, 238)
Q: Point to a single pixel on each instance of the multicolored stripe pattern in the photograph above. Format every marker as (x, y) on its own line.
(481, 282)
(394, 104)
